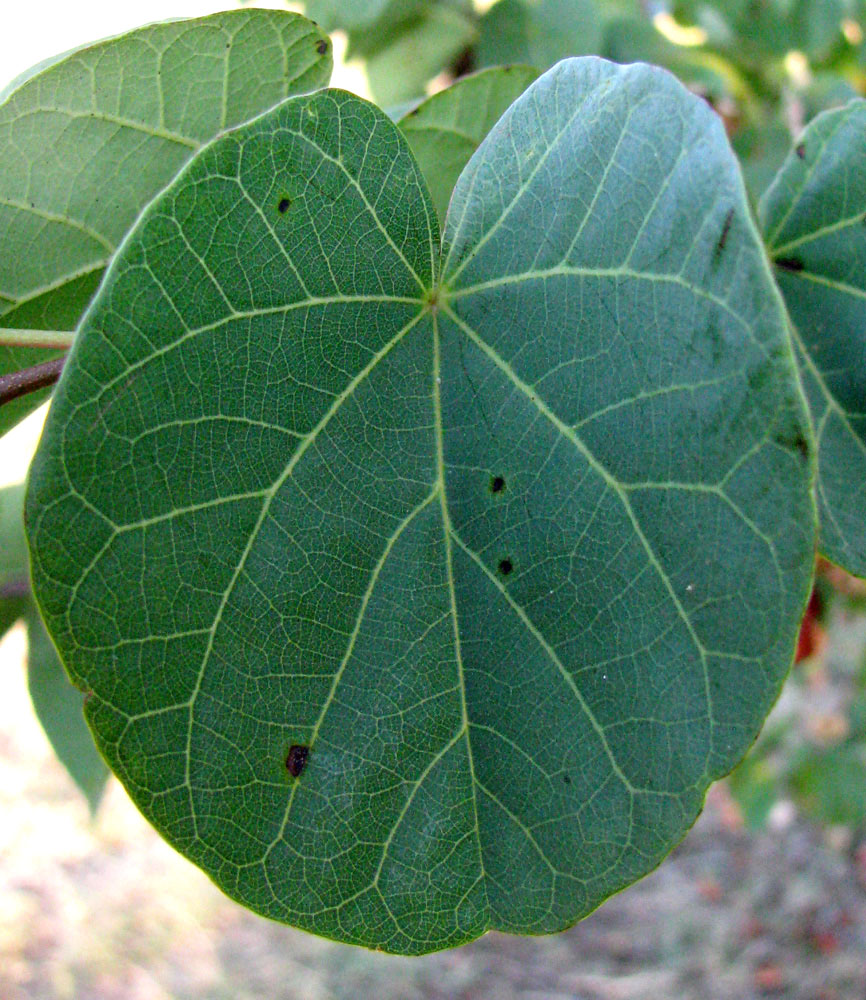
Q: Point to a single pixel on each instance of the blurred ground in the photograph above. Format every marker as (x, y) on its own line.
(107, 911)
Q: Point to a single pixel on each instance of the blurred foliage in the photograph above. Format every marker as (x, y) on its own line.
(56, 702)
(767, 66)
(812, 751)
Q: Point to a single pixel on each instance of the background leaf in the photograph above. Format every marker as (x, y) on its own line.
(813, 222)
(516, 556)
(59, 708)
(446, 129)
(539, 34)
(57, 703)
(351, 14)
(14, 574)
(86, 142)
(417, 51)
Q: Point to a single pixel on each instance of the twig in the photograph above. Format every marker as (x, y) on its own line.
(29, 380)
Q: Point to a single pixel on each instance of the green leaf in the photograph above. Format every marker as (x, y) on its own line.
(57, 703)
(446, 129)
(813, 221)
(14, 571)
(87, 141)
(762, 148)
(352, 14)
(59, 708)
(759, 27)
(634, 39)
(831, 784)
(518, 553)
(539, 33)
(422, 48)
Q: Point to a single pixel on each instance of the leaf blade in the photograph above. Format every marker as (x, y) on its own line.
(568, 300)
(150, 97)
(487, 621)
(812, 217)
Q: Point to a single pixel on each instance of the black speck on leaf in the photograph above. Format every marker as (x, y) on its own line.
(797, 443)
(497, 484)
(283, 206)
(566, 779)
(726, 228)
(789, 263)
(801, 151)
(296, 759)
(505, 566)
(322, 47)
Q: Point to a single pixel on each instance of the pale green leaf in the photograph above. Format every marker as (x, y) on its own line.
(88, 140)
(57, 703)
(541, 33)
(446, 129)
(14, 572)
(353, 14)
(814, 222)
(518, 553)
(422, 48)
(59, 709)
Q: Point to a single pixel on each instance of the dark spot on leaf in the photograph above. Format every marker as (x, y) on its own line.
(789, 263)
(505, 566)
(566, 779)
(726, 228)
(497, 484)
(322, 47)
(801, 150)
(283, 206)
(296, 759)
(797, 443)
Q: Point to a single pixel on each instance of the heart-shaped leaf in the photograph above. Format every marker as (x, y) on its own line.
(88, 139)
(814, 221)
(423, 592)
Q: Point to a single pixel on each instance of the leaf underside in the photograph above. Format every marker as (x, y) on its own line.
(513, 534)
(814, 222)
(89, 139)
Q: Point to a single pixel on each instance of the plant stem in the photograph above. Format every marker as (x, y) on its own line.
(56, 340)
(27, 380)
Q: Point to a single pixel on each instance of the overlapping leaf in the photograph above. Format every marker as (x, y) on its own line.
(813, 220)
(57, 704)
(512, 537)
(88, 139)
(446, 129)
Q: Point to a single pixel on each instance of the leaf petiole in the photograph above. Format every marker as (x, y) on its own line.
(54, 340)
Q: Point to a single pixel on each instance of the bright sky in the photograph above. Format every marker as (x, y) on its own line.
(33, 30)
(36, 29)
